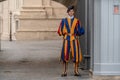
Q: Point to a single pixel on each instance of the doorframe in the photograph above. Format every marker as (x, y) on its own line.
(89, 27)
(91, 31)
(85, 12)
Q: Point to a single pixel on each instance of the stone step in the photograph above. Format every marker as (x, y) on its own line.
(33, 14)
(39, 24)
(35, 7)
(37, 35)
(39, 21)
(37, 29)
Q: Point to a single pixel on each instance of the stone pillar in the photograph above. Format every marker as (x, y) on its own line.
(5, 29)
(21, 4)
(14, 6)
(30, 3)
(0, 31)
(48, 2)
(106, 39)
(41, 2)
(1, 11)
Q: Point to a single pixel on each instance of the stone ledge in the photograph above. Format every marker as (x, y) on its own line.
(106, 77)
(38, 35)
(42, 10)
(40, 7)
(41, 18)
(36, 31)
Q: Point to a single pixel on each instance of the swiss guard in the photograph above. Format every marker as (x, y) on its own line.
(70, 28)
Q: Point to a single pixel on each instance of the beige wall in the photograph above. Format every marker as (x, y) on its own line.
(37, 12)
(5, 8)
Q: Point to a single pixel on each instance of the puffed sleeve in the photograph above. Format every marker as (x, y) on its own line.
(60, 29)
(80, 29)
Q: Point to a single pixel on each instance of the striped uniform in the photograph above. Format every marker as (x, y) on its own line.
(70, 29)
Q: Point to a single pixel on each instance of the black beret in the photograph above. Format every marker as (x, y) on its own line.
(70, 8)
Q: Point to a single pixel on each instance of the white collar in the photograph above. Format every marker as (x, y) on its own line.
(71, 17)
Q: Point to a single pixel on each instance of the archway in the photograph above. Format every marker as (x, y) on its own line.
(32, 49)
(67, 2)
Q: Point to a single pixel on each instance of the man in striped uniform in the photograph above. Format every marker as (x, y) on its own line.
(70, 28)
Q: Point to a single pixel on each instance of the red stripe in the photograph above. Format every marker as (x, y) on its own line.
(67, 56)
(59, 29)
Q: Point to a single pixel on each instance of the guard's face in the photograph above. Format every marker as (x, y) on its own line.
(71, 12)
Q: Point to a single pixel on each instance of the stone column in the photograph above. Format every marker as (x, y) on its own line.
(5, 29)
(41, 2)
(30, 3)
(13, 7)
(1, 12)
(21, 3)
(48, 2)
(106, 39)
(0, 31)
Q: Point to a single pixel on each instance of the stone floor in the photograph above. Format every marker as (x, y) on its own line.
(34, 60)
(37, 60)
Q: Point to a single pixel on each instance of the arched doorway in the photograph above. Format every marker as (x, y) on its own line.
(85, 39)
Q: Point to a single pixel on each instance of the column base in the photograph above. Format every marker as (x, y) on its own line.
(107, 69)
(6, 36)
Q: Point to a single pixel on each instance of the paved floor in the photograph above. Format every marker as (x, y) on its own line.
(34, 60)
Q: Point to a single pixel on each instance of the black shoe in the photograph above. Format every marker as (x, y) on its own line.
(64, 75)
(77, 74)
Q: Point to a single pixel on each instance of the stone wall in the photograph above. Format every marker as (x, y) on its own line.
(27, 11)
(39, 20)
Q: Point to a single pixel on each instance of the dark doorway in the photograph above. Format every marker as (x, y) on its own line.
(85, 12)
